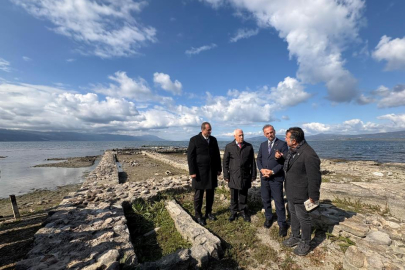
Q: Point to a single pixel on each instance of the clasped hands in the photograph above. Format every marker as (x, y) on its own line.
(266, 172)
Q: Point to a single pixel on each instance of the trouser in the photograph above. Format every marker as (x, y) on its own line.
(238, 200)
(272, 188)
(300, 220)
(198, 201)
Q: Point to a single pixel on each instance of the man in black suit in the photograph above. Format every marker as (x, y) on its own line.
(302, 182)
(239, 171)
(204, 164)
(272, 178)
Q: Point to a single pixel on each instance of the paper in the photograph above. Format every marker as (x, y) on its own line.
(309, 206)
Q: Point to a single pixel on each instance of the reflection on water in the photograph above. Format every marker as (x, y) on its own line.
(17, 175)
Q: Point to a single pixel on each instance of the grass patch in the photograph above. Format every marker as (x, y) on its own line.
(242, 247)
(289, 264)
(359, 207)
(343, 242)
(151, 243)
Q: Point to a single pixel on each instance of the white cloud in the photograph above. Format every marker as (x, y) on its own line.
(364, 100)
(315, 128)
(244, 33)
(26, 58)
(317, 39)
(285, 117)
(392, 51)
(397, 120)
(394, 98)
(70, 60)
(200, 49)
(4, 65)
(165, 83)
(126, 87)
(106, 27)
(289, 93)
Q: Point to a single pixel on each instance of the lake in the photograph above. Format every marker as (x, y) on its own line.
(17, 175)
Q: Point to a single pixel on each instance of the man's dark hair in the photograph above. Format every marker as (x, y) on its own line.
(267, 126)
(297, 134)
(203, 125)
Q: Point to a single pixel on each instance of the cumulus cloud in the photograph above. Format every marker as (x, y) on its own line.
(244, 33)
(391, 98)
(105, 28)
(392, 51)
(364, 100)
(4, 65)
(316, 39)
(165, 83)
(289, 93)
(126, 87)
(397, 120)
(315, 128)
(200, 49)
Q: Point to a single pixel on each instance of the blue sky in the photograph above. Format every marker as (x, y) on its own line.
(163, 67)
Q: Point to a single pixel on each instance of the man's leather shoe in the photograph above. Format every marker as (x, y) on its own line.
(282, 231)
(267, 224)
(210, 216)
(233, 217)
(245, 216)
(201, 221)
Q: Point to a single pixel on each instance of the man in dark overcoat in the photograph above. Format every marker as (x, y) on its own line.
(272, 178)
(204, 164)
(302, 182)
(239, 171)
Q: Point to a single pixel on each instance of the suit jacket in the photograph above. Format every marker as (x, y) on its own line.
(204, 160)
(268, 161)
(239, 165)
(303, 175)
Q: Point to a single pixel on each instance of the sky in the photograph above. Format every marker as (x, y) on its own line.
(163, 67)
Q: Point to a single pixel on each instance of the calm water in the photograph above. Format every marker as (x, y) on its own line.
(17, 175)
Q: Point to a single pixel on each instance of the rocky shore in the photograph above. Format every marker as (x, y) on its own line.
(360, 223)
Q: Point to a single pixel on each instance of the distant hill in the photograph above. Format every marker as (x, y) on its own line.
(7, 135)
(397, 135)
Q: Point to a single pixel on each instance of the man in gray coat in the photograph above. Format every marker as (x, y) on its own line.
(204, 164)
(239, 171)
(302, 182)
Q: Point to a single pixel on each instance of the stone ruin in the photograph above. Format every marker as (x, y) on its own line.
(88, 229)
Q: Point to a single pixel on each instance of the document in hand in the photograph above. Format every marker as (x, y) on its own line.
(310, 206)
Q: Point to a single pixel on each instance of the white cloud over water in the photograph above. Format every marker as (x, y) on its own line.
(392, 51)
(104, 28)
(315, 39)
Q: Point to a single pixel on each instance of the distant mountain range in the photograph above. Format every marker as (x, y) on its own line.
(397, 135)
(7, 135)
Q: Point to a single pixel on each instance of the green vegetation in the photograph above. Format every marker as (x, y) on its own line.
(358, 206)
(153, 232)
(343, 242)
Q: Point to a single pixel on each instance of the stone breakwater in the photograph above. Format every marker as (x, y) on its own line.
(88, 229)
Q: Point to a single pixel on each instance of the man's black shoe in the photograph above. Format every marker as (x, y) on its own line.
(245, 216)
(201, 221)
(302, 249)
(233, 217)
(267, 224)
(282, 231)
(292, 241)
(210, 216)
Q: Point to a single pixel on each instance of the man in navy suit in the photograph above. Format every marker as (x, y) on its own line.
(272, 178)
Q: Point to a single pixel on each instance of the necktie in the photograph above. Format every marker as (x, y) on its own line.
(270, 145)
(240, 146)
(208, 140)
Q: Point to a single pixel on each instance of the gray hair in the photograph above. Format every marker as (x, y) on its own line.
(267, 126)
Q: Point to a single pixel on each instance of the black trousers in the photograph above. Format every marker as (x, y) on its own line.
(238, 200)
(198, 201)
(300, 219)
(272, 188)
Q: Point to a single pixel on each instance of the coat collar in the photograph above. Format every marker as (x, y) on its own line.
(298, 154)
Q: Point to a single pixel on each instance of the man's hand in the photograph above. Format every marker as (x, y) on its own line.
(266, 173)
(193, 175)
(311, 200)
(227, 180)
(278, 154)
